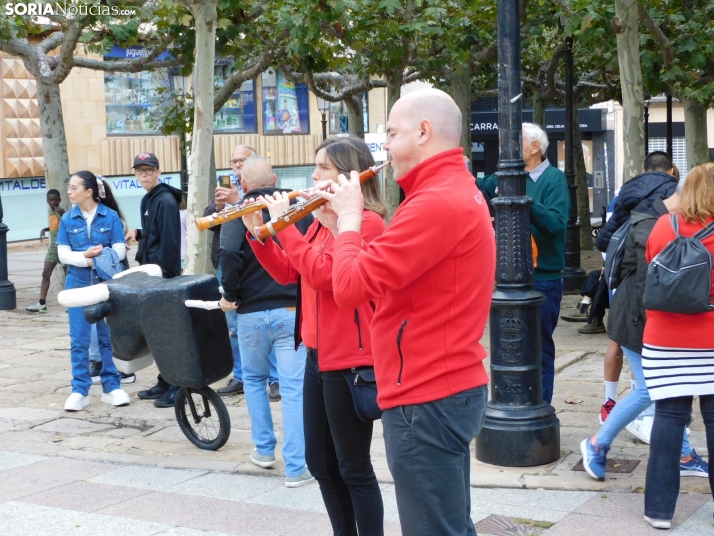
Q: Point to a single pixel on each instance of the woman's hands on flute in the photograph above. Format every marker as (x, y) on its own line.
(345, 200)
(278, 203)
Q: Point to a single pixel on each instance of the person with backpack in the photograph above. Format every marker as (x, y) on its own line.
(626, 324)
(678, 348)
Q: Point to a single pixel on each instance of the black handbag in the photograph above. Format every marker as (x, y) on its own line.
(363, 386)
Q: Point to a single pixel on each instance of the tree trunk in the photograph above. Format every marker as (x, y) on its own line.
(355, 115)
(54, 141)
(392, 189)
(460, 84)
(539, 109)
(695, 131)
(628, 55)
(581, 181)
(200, 178)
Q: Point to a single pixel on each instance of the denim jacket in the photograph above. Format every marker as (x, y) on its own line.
(106, 230)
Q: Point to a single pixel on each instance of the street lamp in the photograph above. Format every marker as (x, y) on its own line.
(573, 274)
(7, 289)
(520, 429)
(647, 126)
(323, 106)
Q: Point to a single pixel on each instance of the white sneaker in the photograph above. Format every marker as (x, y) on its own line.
(641, 428)
(117, 397)
(76, 402)
(37, 308)
(658, 523)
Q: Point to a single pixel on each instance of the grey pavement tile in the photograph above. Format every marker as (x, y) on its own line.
(631, 506)
(544, 500)
(229, 487)
(389, 499)
(306, 498)
(13, 460)
(85, 496)
(72, 426)
(46, 474)
(146, 477)
(22, 519)
(184, 531)
(586, 525)
(697, 524)
(210, 514)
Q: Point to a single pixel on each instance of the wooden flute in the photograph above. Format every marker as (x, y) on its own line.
(231, 213)
(300, 210)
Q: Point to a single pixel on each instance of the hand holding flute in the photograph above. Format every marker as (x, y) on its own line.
(231, 213)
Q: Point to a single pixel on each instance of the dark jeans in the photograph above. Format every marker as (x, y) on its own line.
(549, 312)
(337, 446)
(429, 457)
(595, 288)
(671, 415)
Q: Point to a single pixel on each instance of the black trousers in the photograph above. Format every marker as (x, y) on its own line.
(595, 288)
(337, 447)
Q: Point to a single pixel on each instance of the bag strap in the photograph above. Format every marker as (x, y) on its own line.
(674, 221)
(707, 231)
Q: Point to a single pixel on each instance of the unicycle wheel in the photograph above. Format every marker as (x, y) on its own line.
(203, 417)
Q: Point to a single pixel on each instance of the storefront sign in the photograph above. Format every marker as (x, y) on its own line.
(590, 121)
(376, 142)
(18, 185)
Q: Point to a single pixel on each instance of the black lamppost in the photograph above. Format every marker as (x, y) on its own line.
(573, 274)
(324, 106)
(7, 289)
(520, 428)
(670, 138)
(647, 127)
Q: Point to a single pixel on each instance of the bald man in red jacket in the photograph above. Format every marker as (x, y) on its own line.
(431, 275)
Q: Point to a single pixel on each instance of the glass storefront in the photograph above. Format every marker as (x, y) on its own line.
(285, 105)
(339, 121)
(238, 113)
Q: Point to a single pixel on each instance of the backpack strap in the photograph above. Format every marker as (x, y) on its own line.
(703, 233)
(674, 221)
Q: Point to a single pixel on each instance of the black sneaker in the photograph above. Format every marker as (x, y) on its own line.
(579, 315)
(274, 394)
(169, 398)
(156, 392)
(128, 378)
(596, 326)
(233, 387)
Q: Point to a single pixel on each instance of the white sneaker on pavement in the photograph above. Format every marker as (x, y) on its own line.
(117, 397)
(641, 428)
(76, 402)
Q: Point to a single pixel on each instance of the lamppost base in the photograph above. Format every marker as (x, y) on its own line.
(8, 299)
(519, 437)
(573, 279)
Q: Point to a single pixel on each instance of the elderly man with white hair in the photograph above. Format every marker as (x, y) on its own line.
(547, 187)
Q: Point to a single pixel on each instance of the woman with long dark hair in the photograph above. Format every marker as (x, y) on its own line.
(337, 441)
(91, 225)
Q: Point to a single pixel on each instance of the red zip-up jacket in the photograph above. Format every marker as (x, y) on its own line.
(343, 334)
(431, 275)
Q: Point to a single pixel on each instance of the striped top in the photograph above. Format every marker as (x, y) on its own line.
(675, 372)
(678, 349)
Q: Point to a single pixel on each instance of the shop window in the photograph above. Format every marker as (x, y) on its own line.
(132, 101)
(339, 120)
(285, 105)
(238, 113)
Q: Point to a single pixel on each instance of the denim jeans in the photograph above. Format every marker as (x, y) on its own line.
(630, 407)
(428, 455)
(662, 485)
(94, 354)
(231, 318)
(260, 333)
(549, 312)
(337, 453)
(80, 337)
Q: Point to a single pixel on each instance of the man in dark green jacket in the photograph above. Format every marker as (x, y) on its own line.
(547, 187)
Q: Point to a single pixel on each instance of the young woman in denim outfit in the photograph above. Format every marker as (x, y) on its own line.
(91, 224)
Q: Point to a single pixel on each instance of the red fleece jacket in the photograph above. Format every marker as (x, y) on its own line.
(343, 334)
(431, 275)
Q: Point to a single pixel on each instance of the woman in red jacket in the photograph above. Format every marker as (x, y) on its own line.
(337, 442)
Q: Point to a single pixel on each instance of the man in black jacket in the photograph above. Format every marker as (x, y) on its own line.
(266, 323)
(159, 243)
(639, 194)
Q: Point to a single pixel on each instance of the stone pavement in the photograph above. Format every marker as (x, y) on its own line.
(34, 383)
(46, 496)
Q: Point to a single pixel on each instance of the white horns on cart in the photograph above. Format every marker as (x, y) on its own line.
(81, 297)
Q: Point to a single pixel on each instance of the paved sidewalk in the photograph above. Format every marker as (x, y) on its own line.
(44, 496)
(35, 376)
